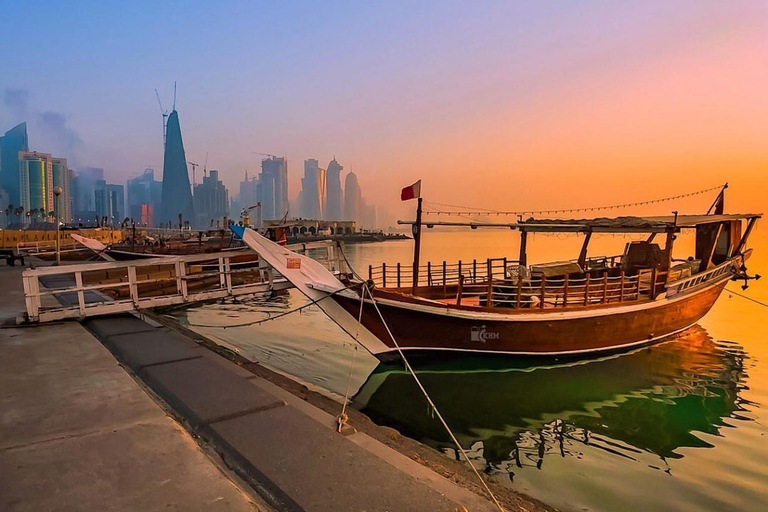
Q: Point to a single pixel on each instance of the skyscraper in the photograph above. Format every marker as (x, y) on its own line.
(211, 201)
(110, 203)
(14, 141)
(273, 187)
(333, 201)
(144, 195)
(248, 191)
(61, 179)
(36, 185)
(83, 190)
(352, 198)
(312, 198)
(177, 196)
(39, 175)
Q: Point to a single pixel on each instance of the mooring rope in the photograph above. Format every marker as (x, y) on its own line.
(747, 297)
(472, 211)
(429, 399)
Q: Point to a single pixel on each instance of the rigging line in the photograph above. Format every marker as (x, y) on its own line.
(285, 313)
(746, 297)
(429, 399)
(343, 416)
(487, 212)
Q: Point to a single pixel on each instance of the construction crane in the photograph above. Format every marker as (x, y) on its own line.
(245, 217)
(164, 113)
(264, 154)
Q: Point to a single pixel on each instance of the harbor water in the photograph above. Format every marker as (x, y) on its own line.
(680, 425)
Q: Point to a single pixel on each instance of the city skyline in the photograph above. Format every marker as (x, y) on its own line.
(513, 92)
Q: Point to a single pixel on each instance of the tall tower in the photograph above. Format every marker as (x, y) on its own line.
(333, 190)
(352, 198)
(273, 187)
(14, 141)
(312, 190)
(177, 197)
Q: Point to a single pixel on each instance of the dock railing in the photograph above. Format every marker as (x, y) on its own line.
(92, 289)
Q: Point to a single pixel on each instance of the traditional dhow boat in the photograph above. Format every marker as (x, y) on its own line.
(504, 306)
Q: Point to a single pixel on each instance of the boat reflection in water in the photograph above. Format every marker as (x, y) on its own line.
(654, 400)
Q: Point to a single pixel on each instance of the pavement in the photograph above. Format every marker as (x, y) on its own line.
(79, 433)
(73, 422)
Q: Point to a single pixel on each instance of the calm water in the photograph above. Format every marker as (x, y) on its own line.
(681, 425)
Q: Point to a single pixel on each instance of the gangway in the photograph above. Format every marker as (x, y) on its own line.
(104, 288)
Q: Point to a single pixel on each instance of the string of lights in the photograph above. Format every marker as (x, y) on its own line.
(437, 208)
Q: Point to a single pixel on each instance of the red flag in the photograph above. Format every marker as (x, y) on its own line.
(411, 192)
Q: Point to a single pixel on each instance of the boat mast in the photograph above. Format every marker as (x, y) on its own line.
(417, 246)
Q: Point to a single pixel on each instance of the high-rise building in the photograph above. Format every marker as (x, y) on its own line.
(312, 196)
(144, 196)
(82, 187)
(177, 196)
(39, 175)
(61, 179)
(14, 141)
(248, 191)
(333, 210)
(352, 198)
(211, 201)
(110, 203)
(272, 189)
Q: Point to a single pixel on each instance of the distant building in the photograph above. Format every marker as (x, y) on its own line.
(61, 179)
(312, 196)
(144, 196)
(82, 186)
(211, 201)
(273, 187)
(334, 195)
(177, 195)
(110, 203)
(39, 175)
(352, 198)
(369, 216)
(249, 191)
(14, 141)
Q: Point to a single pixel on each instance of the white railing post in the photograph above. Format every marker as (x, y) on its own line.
(228, 275)
(132, 286)
(222, 280)
(80, 293)
(31, 295)
(181, 271)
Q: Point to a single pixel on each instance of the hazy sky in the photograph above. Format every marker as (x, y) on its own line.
(504, 104)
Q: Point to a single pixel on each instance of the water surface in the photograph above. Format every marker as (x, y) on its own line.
(676, 426)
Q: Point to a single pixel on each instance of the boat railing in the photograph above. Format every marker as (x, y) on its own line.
(562, 291)
(475, 271)
(681, 285)
(442, 273)
(512, 285)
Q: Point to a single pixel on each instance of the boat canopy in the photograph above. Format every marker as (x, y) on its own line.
(628, 224)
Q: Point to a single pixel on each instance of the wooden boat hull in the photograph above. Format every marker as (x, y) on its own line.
(427, 328)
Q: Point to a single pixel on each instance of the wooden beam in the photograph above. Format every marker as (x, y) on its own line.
(583, 253)
(523, 248)
(743, 242)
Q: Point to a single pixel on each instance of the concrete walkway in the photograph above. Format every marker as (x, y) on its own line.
(78, 433)
(285, 448)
